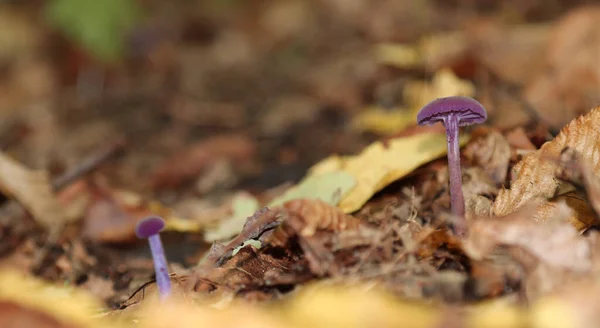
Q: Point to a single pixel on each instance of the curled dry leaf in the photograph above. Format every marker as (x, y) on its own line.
(536, 173)
(556, 244)
(33, 190)
(579, 173)
(318, 215)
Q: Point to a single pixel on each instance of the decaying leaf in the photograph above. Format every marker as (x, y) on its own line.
(383, 163)
(554, 243)
(243, 205)
(252, 228)
(578, 172)
(33, 190)
(329, 187)
(317, 214)
(536, 173)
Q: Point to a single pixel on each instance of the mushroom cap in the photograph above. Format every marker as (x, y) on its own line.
(468, 110)
(149, 226)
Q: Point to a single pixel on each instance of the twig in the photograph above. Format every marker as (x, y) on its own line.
(88, 164)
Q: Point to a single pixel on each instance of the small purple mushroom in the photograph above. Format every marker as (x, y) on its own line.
(454, 112)
(150, 228)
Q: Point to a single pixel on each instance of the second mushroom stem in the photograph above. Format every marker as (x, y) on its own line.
(162, 274)
(457, 200)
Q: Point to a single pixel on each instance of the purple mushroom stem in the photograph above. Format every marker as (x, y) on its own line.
(454, 112)
(150, 228)
(457, 200)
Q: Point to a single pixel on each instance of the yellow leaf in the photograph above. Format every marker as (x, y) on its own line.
(358, 305)
(444, 84)
(328, 187)
(67, 305)
(399, 55)
(416, 94)
(536, 173)
(382, 121)
(379, 165)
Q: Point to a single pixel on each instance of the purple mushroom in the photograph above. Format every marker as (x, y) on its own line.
(454, 112)
(150, 228)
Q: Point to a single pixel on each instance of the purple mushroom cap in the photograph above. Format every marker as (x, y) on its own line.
(149, 226)
(468, 110)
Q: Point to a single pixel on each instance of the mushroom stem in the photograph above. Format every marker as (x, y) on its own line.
(160, 266)
(457, 200)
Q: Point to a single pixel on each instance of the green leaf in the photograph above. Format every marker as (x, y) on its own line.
(329, 187)
(98, 25)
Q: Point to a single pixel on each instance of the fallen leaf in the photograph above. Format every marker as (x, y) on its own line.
(398, 55)
(319, 215)
(443, 84)
(67, 307)
(383, 121)
(556, 242)
(243, 205)
(489, 150)
(536, 173)
(579, 172)
(383, 163)
(329, 187)
(252, 228)
(33, 190)
(112, 214)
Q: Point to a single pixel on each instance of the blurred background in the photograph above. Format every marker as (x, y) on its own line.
(279, 83)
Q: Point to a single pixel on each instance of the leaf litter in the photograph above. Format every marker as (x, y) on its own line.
(295, 186)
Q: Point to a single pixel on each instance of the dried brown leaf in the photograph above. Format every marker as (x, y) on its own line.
(489, 150)
(556, 243)
(536, 173)
(33, 190)
(112, 214)
(319, 215)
